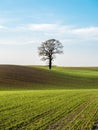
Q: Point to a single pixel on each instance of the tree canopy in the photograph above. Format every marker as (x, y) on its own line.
(49, 49)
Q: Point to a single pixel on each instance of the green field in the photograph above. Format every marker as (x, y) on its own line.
(34, 98)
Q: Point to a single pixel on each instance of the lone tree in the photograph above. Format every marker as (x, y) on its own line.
(48, 49)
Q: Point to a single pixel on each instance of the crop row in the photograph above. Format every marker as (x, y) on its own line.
(48, 109)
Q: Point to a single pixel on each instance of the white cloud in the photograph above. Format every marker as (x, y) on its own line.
(3, 27)
(89, 30)
(66, 32)
(90, 33)
(36, 33)
(17, 42)
(42, 27)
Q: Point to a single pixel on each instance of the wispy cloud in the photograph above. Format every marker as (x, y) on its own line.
(65, 33)
(3, 27)
(17, 42)
(89, 33)
(69, 32)
(44, 27)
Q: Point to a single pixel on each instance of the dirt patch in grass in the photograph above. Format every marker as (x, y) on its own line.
(95, 127)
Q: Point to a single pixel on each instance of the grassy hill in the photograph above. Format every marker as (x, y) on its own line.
(64, 98)
(28, 77)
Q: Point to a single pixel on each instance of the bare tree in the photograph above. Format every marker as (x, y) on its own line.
(48, 49)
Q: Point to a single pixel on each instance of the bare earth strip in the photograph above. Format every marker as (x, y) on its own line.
(63, 122)
(95, 127)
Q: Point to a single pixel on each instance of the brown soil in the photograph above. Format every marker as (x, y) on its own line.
(95, 127)
(22, 75)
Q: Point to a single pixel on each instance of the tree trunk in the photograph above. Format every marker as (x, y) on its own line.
(50, 63)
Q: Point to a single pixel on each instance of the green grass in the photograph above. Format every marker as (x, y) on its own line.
(35, 98)
(48, 109)
(40, 78)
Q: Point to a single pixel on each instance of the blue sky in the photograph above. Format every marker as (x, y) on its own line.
(24, 24)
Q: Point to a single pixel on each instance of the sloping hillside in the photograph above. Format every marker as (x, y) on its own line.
(21, 75)
(39, 78)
